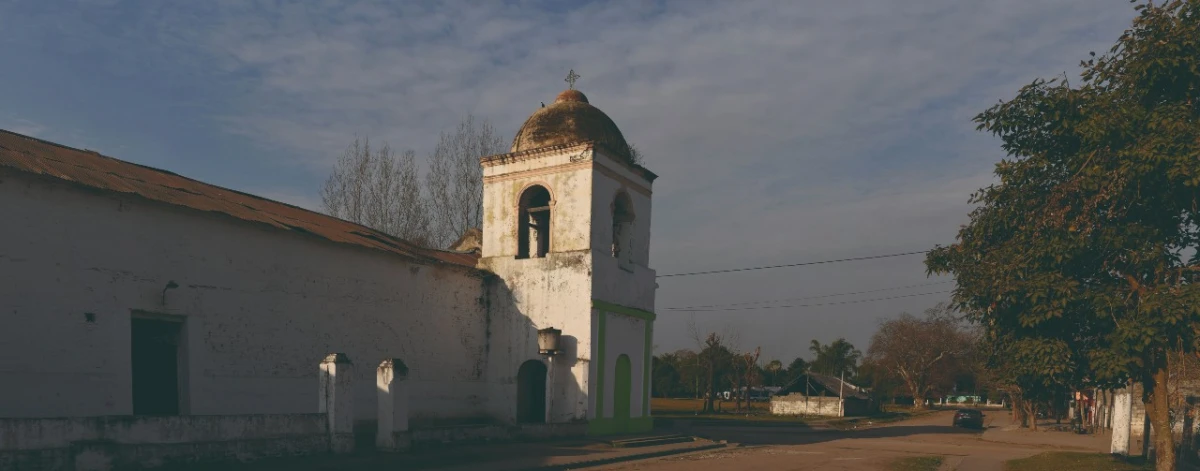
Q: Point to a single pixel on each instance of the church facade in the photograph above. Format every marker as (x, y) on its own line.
(131, 291)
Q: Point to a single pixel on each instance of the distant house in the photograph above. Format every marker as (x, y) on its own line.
(818, 394)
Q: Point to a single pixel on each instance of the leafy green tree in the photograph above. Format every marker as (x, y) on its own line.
(1084, 254)
(835, 358)
(665, 375)
(794, 369)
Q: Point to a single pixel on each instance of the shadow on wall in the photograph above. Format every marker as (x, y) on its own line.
(528, 395)
(526, 386)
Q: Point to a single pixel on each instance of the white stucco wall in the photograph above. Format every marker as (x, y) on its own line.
(536, 293)
(798, 404)
(610, 177)
(262, 308)
(1121, 419)
(532, 294)
(613, 283)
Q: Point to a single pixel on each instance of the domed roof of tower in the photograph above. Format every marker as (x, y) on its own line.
(569, 120)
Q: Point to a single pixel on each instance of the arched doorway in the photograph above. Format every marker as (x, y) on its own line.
(531, 392)
(622, 390)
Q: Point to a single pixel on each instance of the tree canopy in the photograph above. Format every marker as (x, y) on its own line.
(834, 359)
(1082, 259)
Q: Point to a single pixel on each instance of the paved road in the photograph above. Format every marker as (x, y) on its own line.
(872, 449)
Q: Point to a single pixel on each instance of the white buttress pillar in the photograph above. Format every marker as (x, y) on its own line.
(392, 386)
(337, 401)
(1122, 409)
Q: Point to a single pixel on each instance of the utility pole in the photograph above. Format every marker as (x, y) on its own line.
(842, 397)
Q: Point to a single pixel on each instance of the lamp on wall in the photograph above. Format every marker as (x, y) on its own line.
(170, 285)
(548, 341)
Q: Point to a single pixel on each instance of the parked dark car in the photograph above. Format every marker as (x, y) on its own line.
(968, 418)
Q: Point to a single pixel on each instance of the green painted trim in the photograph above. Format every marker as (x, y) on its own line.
(600, 334)
(649, 364)
(619, 309)
(614, 427)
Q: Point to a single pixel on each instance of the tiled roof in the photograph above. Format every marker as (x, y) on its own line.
(92, 170)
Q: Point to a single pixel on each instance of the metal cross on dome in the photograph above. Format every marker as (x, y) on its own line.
(571, 78)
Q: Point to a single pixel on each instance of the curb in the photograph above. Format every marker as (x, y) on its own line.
(622, 459)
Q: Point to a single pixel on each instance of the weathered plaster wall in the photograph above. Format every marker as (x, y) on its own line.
(631, 288)
(535, 293)
(103, 442)
(798, 404)
(568, 178)
(262, 307)
(532, 294)
(611, 176)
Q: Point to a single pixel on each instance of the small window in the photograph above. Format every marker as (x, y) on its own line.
(533, 230)
(622, 230)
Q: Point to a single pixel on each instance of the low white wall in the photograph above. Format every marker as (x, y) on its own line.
(798, 404)
(123, 441)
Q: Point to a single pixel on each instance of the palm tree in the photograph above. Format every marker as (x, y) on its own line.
(773, 368)
(837, 358)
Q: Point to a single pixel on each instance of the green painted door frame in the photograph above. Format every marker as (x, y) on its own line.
(620, 421)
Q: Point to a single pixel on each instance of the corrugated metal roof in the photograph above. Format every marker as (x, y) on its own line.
(814, 384)
(90, 169)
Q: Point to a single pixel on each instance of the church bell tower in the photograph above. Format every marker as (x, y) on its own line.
(566, 231)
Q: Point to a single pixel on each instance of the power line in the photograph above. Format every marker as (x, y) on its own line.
(852, 259)
(811, 297)
(805, 305)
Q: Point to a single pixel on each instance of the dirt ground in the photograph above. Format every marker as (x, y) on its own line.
(871, 449)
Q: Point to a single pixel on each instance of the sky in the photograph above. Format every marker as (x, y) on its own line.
(782, 131)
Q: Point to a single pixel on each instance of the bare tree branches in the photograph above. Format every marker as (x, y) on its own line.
(455, 179)
(378, 189)
(920, 351)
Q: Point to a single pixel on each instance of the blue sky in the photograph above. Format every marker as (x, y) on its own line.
(783, 131)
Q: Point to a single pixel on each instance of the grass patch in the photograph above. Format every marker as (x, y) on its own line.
(664, 405)
(1068, 461)
(916, 463)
